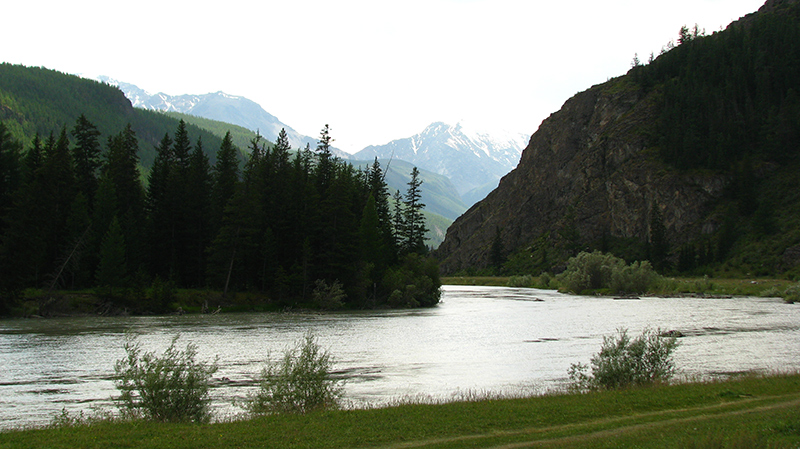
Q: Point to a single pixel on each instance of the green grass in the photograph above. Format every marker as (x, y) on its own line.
(752, 411)
(493, 281)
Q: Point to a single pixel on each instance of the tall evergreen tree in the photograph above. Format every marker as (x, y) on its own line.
(112, 271)
(414, 228)
(225, 179)
(198, 198)
(158, 210)
(325, 161)
(56, 191)
(379, 191)
(10, 171)
(86, 154)
(659, 245)
(121, 167)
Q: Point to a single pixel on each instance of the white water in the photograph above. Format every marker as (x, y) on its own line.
(483, 339)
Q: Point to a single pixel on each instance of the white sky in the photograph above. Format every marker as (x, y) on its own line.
(375, 70)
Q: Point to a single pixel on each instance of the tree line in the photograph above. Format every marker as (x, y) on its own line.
(300, 228)
(728, 97)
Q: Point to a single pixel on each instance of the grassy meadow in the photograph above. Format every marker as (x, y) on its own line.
(749, 411)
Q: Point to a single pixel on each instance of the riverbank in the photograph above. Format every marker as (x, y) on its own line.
(749, 411)
(692, 287)
(37, 303)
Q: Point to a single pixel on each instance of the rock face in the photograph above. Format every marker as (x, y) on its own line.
(586, 174)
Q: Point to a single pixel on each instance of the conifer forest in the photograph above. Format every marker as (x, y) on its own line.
(293, 227)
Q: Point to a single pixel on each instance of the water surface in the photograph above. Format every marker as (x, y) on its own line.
(486, 339)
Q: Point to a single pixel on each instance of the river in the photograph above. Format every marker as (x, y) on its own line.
(479, 339)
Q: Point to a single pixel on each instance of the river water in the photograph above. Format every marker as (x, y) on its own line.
(479, 339)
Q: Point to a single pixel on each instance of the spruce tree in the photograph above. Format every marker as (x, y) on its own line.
(158, 235)
(198, 199)
(112, 271)
(86, 155)
(225, 179)
(10, 171)
(414, 228)
(122, 170)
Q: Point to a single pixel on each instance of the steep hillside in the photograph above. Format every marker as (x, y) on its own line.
(37, 100)
(678, 162)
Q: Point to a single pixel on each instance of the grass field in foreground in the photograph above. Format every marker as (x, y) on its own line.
(752, 411)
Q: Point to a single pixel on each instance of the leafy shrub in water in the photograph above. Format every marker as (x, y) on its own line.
(623, 362)
(300, 382)
(173, 387)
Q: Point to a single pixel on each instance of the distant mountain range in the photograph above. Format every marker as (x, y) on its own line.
(473, 160)
(218, 106)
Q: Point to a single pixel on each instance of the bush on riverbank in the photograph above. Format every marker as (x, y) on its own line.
(173, 387)
(746, 411)
(598, 271)
(624, 362)
(300, 382)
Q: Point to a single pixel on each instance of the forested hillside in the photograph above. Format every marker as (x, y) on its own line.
(35, 100)
(691, 161)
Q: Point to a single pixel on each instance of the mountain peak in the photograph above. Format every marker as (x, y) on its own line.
(219, 106)
(474, 160)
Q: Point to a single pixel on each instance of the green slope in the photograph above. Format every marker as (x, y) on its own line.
(35, 100)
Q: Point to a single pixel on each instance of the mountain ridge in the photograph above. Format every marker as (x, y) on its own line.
(473, 160)
(220, 106)
(651, 166)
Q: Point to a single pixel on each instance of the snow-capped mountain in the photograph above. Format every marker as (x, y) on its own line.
(217, 106)
(473, 160)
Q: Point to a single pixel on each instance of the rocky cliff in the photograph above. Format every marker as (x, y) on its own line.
(696, 145)
(586, 175)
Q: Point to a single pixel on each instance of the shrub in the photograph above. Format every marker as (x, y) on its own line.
(520, 281)
(171, 388)
(596, 270)
(637, 277)
(328, 297)
(300, 382)
(544, 280)
(792, 294)
(624, 362)
(414, 283)
(589, 271)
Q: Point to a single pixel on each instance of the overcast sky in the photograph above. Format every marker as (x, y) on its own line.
(374, 70)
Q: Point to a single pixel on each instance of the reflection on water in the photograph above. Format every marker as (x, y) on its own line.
(478, 339)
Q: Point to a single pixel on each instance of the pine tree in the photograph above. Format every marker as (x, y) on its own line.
(225, 179)
(10, 171)
(159, 233)
(325, 162)
(121, 168)
(56, 191)
(380, 192)
(86, 155)
(659, 246)
(198, 199)
(414, 228)
(112, 271)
